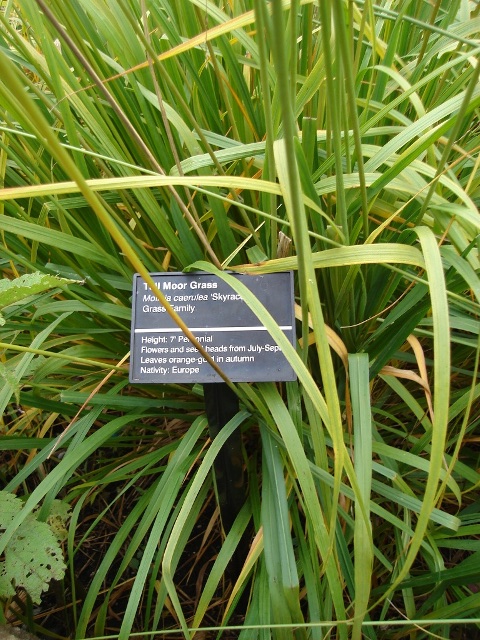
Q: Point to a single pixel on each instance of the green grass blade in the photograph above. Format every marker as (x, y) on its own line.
(363, 539)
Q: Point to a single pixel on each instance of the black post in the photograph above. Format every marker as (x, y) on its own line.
(221, 405)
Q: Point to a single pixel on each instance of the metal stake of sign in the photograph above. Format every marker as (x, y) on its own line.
(221, 405)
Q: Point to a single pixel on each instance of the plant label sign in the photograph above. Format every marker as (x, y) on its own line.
(220, 320)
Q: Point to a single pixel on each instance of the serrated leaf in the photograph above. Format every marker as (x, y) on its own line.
(6, 588)
(57, 520)
(10, 505)
(12, 291)
(33, 558)
(7, 375)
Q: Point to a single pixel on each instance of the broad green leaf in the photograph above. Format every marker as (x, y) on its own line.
(12, 291)
(33, 556)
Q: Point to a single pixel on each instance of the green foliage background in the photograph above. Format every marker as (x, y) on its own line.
(162, 135)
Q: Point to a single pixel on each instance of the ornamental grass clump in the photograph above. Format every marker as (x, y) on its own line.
(335, 139)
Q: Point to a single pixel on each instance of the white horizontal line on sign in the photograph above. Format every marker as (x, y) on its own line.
(178, 330)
